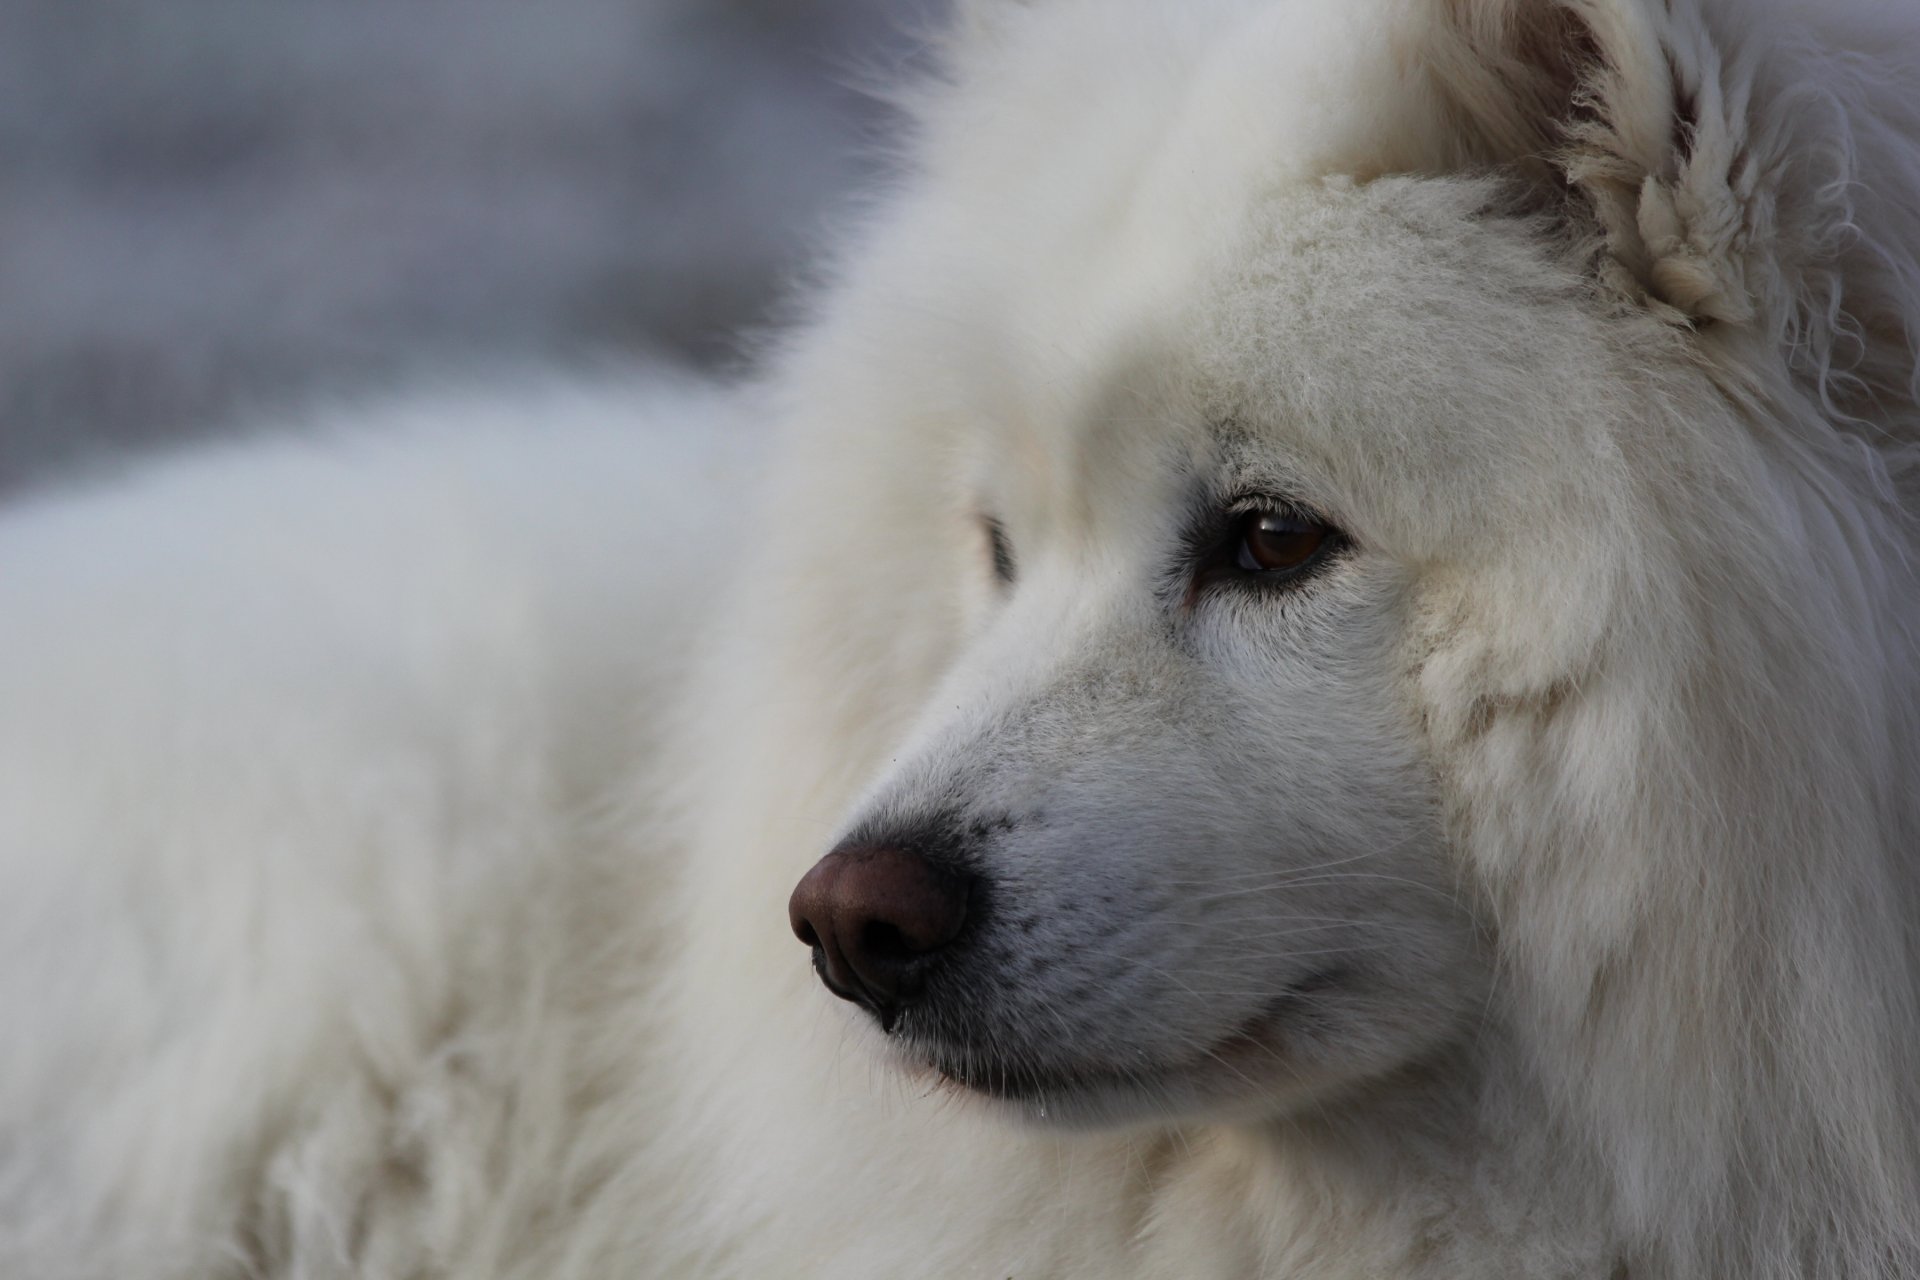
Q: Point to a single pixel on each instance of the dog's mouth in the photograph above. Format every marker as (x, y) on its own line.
(1237, 1056)
(1009, 1081)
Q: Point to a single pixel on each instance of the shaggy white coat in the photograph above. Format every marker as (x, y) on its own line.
(396, 822)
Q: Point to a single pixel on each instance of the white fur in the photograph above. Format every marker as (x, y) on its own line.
(396, 825)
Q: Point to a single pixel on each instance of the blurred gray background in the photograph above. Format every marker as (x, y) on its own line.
(210, 207)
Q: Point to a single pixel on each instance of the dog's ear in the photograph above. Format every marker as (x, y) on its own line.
(1622, 106)
(1724, 165)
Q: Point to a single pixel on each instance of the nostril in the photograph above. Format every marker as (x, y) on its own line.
(803, 930)
(884, 942)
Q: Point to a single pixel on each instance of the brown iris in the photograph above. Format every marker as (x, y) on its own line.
(1271, 542)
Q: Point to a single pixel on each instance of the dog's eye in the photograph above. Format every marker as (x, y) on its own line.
(1268, 546)
(1272, 542)
(1000, 549)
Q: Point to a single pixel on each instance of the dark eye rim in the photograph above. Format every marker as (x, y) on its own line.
(1214, 555)
(1000, 548)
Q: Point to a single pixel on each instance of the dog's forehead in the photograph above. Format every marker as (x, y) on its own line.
(1402, 325)
(1364, 337)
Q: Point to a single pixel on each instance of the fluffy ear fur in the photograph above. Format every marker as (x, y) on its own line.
(1726, 167)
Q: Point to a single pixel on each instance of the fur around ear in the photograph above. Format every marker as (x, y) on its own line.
(1736, 1039)
(1729, 166)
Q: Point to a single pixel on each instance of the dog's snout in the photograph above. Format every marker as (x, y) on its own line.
(874, 914)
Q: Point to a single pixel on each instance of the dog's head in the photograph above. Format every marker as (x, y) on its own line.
(1361, 492)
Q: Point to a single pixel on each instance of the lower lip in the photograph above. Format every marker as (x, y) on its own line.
(1253, 1036)
(1025, 1086)
(1029, 1086)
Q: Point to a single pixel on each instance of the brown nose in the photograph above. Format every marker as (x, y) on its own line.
(874, 914)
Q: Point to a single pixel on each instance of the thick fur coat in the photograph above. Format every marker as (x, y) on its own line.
(397, 821)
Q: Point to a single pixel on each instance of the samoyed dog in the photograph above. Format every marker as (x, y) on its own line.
(1316, 639)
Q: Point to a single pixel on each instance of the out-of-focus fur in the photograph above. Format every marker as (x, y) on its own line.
(395, 825)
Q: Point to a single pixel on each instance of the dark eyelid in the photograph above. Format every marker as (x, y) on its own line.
(1004, 567)
(1251, 502)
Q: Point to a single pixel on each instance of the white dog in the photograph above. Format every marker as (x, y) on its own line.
(1333, 610)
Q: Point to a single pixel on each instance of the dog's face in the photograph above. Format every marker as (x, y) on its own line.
(1167, 837)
